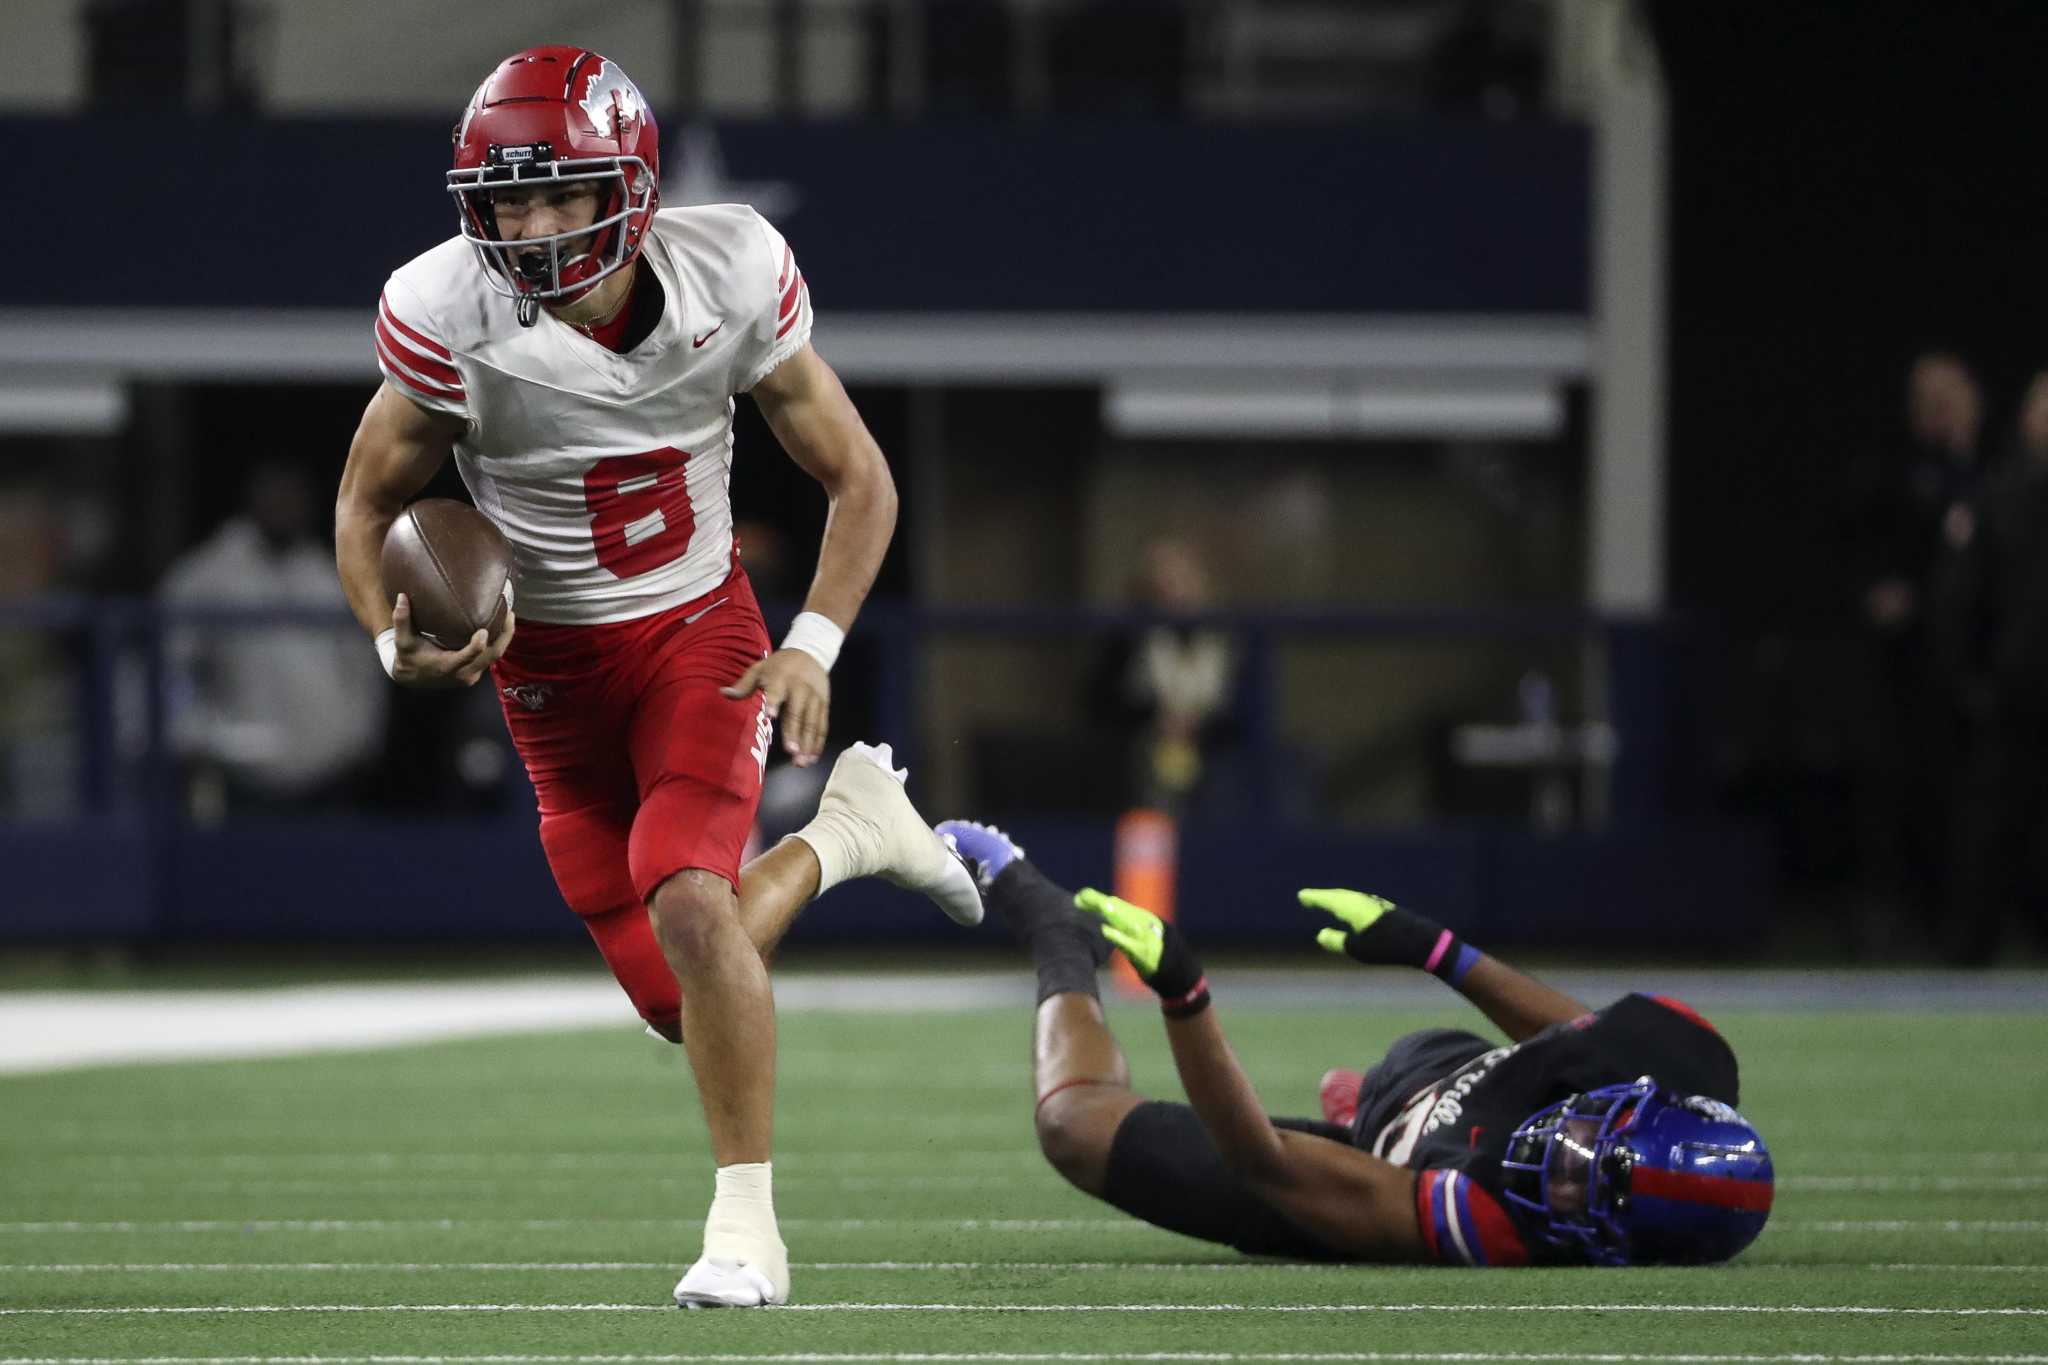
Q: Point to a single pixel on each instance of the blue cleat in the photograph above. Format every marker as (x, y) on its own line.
(986, 849)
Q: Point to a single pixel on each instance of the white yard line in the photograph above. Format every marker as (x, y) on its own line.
(978, 1158)
(1731, 1309)
(1073, 1357)
(2027, 1227)
(799, 1178)
(975, 1267)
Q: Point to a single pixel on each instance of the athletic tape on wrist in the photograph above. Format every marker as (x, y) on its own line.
(816, 635)
(1183, 1006)
(387, 650)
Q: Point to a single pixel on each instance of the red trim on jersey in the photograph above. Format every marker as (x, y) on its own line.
(794, 313)
(1425, 1209)
(782, 275)
(1679, 1007)
(789, 298)
(431, 347)
(1751, 1196)
(423, 366)
(1489, 1227)
(400, 373)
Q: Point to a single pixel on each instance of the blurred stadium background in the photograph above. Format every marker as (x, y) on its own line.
(1461, 446)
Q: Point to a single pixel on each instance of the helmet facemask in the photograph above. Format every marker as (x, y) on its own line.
(1634, 1175)
(563, 266)
(1570, 1165)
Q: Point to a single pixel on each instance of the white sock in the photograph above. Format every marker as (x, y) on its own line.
(838, 852)
(742, 1218)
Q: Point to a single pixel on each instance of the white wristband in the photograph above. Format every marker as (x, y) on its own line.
(816, 635)
(387, 650)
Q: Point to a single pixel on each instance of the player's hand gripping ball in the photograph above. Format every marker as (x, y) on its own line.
(795, 689)
(450, 572)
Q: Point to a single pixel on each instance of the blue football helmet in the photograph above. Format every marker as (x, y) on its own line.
(1638, 1175)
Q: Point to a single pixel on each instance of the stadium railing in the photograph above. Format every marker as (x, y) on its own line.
(129, 864)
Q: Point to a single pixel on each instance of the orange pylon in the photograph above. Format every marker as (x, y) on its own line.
(1147, 854)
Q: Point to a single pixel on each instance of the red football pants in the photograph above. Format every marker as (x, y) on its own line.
(642, 769)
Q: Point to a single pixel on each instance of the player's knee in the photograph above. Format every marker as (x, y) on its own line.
(690, 911)
(1074, 1138)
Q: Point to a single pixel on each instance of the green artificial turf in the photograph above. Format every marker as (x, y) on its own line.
(547, 1189)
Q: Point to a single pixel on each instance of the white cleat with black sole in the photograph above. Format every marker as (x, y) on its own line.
(867, 827)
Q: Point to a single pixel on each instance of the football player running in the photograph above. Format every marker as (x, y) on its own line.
(578, 351)
(1603, 1136)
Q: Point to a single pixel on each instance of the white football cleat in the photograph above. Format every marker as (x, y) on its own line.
(721, 1282)
(866, 805)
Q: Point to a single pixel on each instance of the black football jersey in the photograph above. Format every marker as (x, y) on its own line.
(1444, 1102)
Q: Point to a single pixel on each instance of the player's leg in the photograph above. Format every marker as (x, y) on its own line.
(1150, 1159)
(728, 1025)
(573, 747)
(697, 760)
(1078, 1071)
(774, 887)
(586, 850)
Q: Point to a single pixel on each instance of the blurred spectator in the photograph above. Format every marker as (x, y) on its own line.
(1906, 750)
(1993, 636)
(1167, 691)
(271, 714)
(37, 745)
(1491, 59)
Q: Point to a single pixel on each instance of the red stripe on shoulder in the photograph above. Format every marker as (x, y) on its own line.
(782, 275)
(794, 313)
(789, 295)
(1679, 1007)
(1495, 1231)
(425, 343)
(1751, 1196)
(1426, 1195)
(401, 373)
(425, 366)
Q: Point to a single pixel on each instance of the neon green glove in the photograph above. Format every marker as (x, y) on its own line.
(1154, 947)
(1379, 932)
(1358, 910)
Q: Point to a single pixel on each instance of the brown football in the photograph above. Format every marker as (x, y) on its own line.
(452, 564)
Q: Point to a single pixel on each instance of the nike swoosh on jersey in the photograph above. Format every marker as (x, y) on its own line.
(703, 611)
(695, 342)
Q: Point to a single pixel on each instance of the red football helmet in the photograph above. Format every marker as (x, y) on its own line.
(555, 114)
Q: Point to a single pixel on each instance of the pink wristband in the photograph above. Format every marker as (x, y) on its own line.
(1436, 954)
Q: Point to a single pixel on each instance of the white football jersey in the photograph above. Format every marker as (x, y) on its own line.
(608, 473)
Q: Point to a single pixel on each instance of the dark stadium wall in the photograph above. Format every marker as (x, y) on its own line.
(1851, 182)
(1435, 216)
(109, 881)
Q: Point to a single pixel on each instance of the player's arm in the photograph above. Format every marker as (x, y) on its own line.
(1352, 1200)
(1376, 931)
(398, 448)
(810, 414)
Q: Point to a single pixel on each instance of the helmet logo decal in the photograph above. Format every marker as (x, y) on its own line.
(1711, 1108)
(611, 101)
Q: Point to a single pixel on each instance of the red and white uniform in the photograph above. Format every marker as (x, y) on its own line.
(607, 473)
